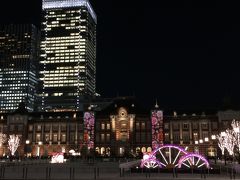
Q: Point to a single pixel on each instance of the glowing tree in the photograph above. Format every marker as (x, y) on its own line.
(3, 138)
(236, 129)
(221, 141)
(13, 143)
(230, 141)
(230, 138)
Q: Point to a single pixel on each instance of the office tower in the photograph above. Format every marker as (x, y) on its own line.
(68, 54)
(18, 58)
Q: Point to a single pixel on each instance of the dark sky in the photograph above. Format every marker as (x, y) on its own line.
(183, 53)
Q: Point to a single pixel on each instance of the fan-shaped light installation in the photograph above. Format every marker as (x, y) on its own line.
(193, 160)
(171, 156)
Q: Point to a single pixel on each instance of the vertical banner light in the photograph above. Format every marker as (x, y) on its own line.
(157, 128)
(89, 121)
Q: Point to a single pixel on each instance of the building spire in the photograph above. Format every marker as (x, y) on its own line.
(156, 105)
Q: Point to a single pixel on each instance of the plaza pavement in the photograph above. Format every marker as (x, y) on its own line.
(42, 170)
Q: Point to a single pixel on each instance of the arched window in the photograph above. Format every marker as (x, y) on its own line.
(97, 150)
(102, 150)
(143, 149)
(108, 151)
(149, 149)
(138, 149)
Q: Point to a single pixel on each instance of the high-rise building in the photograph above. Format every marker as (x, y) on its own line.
(68, 54)
(18, 73)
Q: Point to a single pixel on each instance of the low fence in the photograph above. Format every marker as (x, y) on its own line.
(42, 170)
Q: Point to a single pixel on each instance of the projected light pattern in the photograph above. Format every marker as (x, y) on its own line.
(157, 128)
(172, 156)
(89, 121)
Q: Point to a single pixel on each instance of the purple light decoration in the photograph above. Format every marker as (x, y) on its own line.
(157, 128)
(190, 156)
(150, 161)
(89, 121)
(170, 146)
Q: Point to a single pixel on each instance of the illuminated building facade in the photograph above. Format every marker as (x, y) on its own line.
(18, 73)
(121, 129)
(68, 54)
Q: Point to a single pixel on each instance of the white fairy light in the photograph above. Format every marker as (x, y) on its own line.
(230, 138)
(230, 141)
(3, 138)
(236, 128)
(13, 143)
(221, 142)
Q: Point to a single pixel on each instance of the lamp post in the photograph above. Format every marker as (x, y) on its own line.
(213, 138)
(38, 149)
(27, 141)
(27, 148)
(200, 146)
(223, 135)
(196, 148)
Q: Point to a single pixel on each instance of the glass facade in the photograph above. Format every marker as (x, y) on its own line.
(18, 58)
(68, 54)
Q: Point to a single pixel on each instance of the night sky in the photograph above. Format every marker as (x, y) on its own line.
(185, 54)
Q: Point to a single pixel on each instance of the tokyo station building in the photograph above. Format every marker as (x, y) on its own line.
(121, 128)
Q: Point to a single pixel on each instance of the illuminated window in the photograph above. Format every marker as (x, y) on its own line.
(102, 137)
(47, 137)
(39, 128)
(108, 138)
(137, 126)
(166, 136)
(149, 149)
(143, 149)
(55, 138)
(195, 136)
(97, 150)
(38, 137)
(63, 137)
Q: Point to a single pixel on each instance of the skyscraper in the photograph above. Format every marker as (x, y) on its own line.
(68, 54)
(18, 73)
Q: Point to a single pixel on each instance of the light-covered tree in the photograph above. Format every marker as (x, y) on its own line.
(230, 141)
(221, 142)
(3, 139)
(13, 143)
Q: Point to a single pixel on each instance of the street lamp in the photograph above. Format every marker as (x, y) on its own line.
(221, 144)
(27, 141)
(38, 148)
(213, 137)
(27, 148)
